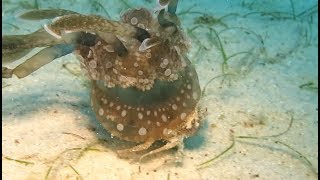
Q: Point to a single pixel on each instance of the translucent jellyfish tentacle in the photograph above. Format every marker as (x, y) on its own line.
(41, 14)
(42, 58)
(95, 24)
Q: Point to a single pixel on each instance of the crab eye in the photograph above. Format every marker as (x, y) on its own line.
(142, 34)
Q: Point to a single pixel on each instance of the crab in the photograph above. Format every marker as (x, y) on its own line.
(144, 88)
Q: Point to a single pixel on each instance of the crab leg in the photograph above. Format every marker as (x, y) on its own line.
(171, 144)
(137, 148)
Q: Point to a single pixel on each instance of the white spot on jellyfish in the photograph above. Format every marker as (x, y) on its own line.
(110, 85)
(158, 124)
(118, 107)
(123, 113)
(142, 131)
(164, 118)
(115, 71)
(108, 64)
(174, 107)
(155, 113)
(178, 98)
(165, 61)
(195, 95)
(148, 122)
(140, 72)
(188, 86)
(148, 113)
(122, 78)
(135, 64)
(101, 112)
(183, 116)
(148, 55)
(134, 21)
(93, 64)
(182, 91)
(94, 74)
(111, 104)
(104, 100)
(140, 115)
(167, 72)
(165, 131)
(163, 65)
(107, 77)
(120, 127)
(184, 104)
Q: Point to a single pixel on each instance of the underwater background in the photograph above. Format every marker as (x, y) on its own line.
(257, 62)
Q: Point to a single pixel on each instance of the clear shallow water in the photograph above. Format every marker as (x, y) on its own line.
(271, 53)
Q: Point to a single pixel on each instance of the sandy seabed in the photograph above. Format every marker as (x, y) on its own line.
(47, 120)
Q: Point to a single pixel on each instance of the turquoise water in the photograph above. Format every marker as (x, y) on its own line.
(256, 61)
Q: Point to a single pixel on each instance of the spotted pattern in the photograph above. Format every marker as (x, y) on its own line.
(141, 67)
(153, 117)
(148, 92)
